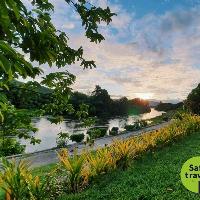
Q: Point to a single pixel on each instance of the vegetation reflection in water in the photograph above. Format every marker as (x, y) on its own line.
(48, 132)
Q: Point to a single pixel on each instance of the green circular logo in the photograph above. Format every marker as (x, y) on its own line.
(190, 174)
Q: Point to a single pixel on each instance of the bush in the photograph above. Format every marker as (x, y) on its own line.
(114, 131)
(18, 183)
(136, 126)
(121, 153)
(103, 131)
(124, 152)
(62, 139)
(10, 146)
(77, 137)
(133, 127)
(77, 173)
(165, 119)
(143, 123)
(129, 127)
(56, 184)
(101, 162)
(97, 132)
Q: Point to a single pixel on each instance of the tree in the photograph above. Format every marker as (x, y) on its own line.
(14, 123)
(120, 106)
(101, 101)
(30, 95)
(78, 98)
(192, 102)
(168, 106)
(31, 32)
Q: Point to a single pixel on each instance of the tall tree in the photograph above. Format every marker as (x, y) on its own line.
(101, 101)
(31, 32)
(192, 103)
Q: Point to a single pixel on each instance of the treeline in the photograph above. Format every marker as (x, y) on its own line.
(102, 105)
(168, 106)
(192, 103)
(32, 95)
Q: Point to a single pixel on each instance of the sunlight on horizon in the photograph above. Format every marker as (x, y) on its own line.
(144, 95)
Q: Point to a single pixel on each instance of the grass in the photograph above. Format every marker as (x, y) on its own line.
(40, 171)
(161, 118)
(153, 176)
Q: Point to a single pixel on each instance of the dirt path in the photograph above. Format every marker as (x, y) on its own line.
(46, 157)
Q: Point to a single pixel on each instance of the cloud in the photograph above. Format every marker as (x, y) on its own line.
(157, 54)
(69, 25)
(164, 63)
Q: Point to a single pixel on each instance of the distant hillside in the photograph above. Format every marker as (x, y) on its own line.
(153, 103)
(168, 106)
(28, 95)
(32, 95)
(40, 89)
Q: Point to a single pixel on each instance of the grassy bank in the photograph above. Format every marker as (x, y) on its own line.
(154, 176)
(153, 161)
(162, 118)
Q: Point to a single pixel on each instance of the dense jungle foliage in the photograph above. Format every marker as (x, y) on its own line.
(34, 96)
(168, 106)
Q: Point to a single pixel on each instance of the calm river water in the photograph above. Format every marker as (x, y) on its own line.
(48, 132)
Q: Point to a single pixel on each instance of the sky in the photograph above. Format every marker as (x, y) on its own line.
(151, 48)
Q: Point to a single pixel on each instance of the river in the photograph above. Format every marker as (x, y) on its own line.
(47, 131)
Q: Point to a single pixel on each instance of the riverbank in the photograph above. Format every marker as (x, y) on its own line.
(155, 175)
(133, 149)
(46, 157)
(48, 132)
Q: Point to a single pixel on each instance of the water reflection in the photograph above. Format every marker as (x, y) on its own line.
(48, 132)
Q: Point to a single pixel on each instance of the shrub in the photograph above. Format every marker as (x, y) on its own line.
(77, 171)
(103, 131)
(77, 137)
(136, 126)
(129, 127)
(56, 184)
(10, 146)
(101, 161)
(143, 123)
(97, 132)
(62, 139)
(37, 189)
(114, 131)
(12, 179)
(123, 151)
(165, 118)
(18, 183)
(94, 133)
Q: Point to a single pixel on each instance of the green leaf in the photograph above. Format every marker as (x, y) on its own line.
(3, 98)
(6, 47)
(1, 117)
(5, 64)
(12, 4)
